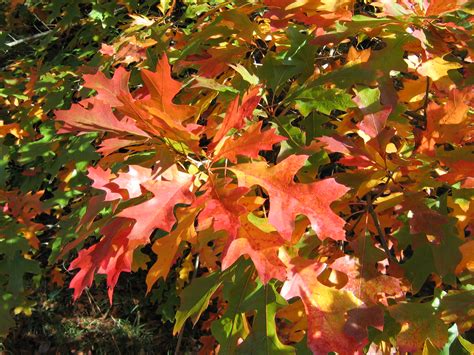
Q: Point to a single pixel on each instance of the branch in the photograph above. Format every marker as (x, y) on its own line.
(425, 103)
(383, 239)
(30, 38)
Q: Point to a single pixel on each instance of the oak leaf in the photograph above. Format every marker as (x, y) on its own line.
(114, 253)
(97, 119)
(162, 89)
(289, 199)
(326, 308)
(248, 144)
(166, 247)
(110, 91)
(437, 68)
(221, 206)
(261, 247)
(237, 113)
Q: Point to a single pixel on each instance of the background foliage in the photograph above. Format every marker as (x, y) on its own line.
(213, 179)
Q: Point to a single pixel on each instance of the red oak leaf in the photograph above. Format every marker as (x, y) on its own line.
(289, 199)
(222, 206)
(158, 211)
(419, 322)
(424, 219)
(438, 7)
(321, 13)
(159, 113)
(111, 145)
(326, 308)
(110, 256)
(354, 154)
(113, 254)
(359, 319)
(162, 89)
(214, 61)
(261, 247)
(132, 180)
(462, 170)
(236, 113)
(115, 92)
(249, 144)
(449, 123)
(372, 291)
(102, 181)
(110, 91)
(99, 118)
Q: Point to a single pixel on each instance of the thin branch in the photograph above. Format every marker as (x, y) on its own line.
(383, 239)
(414, 115)
(30, 38)
(425, 103)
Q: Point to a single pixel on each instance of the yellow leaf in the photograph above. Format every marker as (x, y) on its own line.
(437, 68)
(164, 6)
(139, 20)
(296, 329)
(186, 268)
(429, 348)
(322, 5)
(467, 261)
(386, 202)
(413, 91)
(167, 247)
(357, 57)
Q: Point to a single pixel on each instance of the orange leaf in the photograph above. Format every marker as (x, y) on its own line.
(289, 199)
(249, 144)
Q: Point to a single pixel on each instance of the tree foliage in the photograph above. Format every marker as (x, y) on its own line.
(306, 166)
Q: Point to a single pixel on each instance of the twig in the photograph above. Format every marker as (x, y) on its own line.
(92, 301)
(171, 9)
(414, 115)
(425, 103)
(40, 20)
(383, 239)
(30, 38)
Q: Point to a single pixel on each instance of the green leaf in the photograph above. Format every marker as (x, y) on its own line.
(301, 52)
(302, 347)
(15, 266)
(369, 99)
(466, 344)
(430, 257)
(275, 73)
(4, 157)
(296, 137)
(7, 302)
(264, 339)
(452, 337)
(313, 125)
(323, 100)
(40, 148)
(419, 322)
(238, 289)
(195, 299)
